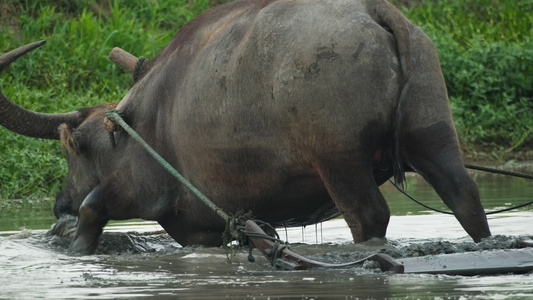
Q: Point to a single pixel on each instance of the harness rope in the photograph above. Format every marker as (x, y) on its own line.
(496, 171)
(114, 116)
(139, 68)
(478, 168)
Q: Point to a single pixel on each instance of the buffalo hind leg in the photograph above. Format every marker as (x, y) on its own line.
(358, 198)
(433, 152)
(91, 220)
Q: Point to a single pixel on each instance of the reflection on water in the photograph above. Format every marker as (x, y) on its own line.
(136, 261)
(18, 214)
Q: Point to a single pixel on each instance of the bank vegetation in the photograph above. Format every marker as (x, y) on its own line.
(485, 48)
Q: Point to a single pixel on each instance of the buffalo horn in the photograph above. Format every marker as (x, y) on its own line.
(26, 122)
(124, 59)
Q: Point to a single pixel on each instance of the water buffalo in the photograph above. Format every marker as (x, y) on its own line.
(294, 110)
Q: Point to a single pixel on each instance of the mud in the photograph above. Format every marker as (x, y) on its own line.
(60, 236)
(488, 156)
(62, 232)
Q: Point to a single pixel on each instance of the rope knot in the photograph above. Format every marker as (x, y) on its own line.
(110, 121)
(139, 68)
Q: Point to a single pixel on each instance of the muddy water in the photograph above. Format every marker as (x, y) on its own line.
(136, 261)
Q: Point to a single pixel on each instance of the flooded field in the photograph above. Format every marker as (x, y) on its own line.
(136, 260)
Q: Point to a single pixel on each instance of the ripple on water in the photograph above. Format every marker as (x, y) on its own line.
(143, 263)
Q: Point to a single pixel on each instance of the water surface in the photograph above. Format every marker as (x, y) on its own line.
(135, 260)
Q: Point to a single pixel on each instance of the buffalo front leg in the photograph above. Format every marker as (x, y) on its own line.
(358, 198)
(433, 152)
(92, 218)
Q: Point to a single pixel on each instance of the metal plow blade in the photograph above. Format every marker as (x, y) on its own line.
(469, 263)
(472, 263)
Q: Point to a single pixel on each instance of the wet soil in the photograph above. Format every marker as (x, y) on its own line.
(126, 243)
(490, 156)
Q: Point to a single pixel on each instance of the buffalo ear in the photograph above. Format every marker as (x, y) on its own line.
(67, 139)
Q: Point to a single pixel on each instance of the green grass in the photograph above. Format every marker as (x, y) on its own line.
(485, 47)
(72, 70)
(486, 53)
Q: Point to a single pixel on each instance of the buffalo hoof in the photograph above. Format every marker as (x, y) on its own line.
(65, 227)
(83, 246)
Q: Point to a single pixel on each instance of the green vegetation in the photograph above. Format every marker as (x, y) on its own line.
(485, 48)
(486, 53)
(72, 70)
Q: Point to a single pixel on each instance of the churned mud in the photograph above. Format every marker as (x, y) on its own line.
(111, 243)
(120, 243)
(137, 263)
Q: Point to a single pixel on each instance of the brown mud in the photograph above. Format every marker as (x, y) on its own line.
(492, 156)
(122, 243)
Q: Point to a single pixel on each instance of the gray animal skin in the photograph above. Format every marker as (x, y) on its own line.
(294, 110)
